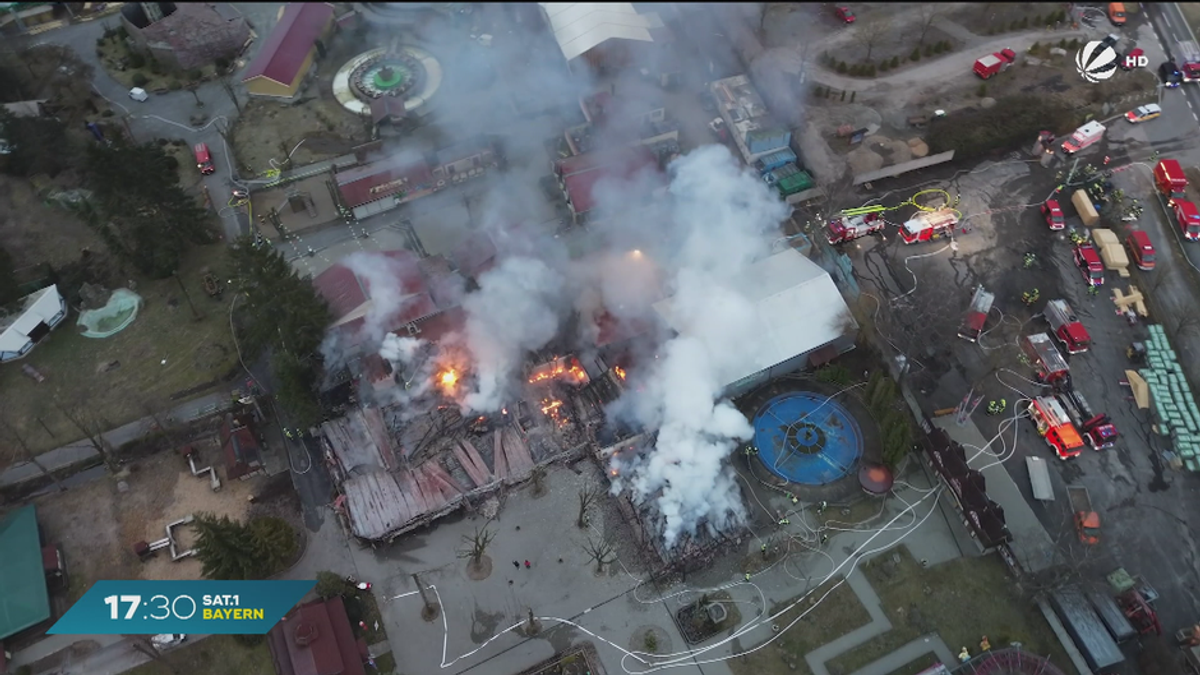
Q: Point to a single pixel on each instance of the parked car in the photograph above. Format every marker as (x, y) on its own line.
(1143, 113)
(1131, 57)
(1169, 73)
(844, 14)
(138, 94)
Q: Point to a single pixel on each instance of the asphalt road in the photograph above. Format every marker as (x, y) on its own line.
(169, 115)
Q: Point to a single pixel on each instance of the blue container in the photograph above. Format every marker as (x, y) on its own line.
(766, 140)
(775, 160)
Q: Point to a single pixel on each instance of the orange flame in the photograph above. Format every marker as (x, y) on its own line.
(573, 371)
(551, 408)
(447, 380)
(619, 371)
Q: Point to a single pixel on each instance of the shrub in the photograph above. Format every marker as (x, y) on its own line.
(915, 55)
(174, 85)
(1037, 20)
(1062, 44)
(895, 63)
(171, 162)
(194, 74)
(107, 113)
(100, 41)
(162, 142)
(1007, 125)
(871, 70)
(1073, 44)
(140, 80)
(1014, 25)
(1024, 22)
(137, 60)
(222, 64)
(928, 50)
(329, 585)
(156, 67)
(1035, 48)
(651, 642)
(937, 48)
(982, 91)
(121, 33)
(841, 67)
(947, 46)
(883, 66)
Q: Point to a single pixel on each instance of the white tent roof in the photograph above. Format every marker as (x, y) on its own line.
(580, 26)
(798, 308)
(38, 307)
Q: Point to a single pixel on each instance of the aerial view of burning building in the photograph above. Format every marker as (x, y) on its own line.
(628, 354)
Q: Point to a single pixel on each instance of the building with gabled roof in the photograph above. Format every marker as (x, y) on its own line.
(382, 185)
(21, 331)
(24, 598)
(287, 56)
(602, 34)
(185, 35)
(580, 176)
(240, 447)
(316, 638)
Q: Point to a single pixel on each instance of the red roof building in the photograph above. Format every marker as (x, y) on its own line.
(316, 639)
(240, 448)
(401, 178)
(287, 56)
(475, 255)
(580, 175)
(419, 289)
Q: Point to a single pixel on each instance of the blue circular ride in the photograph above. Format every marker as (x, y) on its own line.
(807, 438)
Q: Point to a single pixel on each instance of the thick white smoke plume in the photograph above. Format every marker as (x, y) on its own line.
(720, 220)
(516, 309)
(410, 359)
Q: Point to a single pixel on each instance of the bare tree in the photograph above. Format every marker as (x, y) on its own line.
(476, 545)
(91, 430)
(430, 610)
(870, 32)
(929, 15)
(227, 86)
(194, 88)
(601, 551)
(13, 433)
(143, 644)
(588, 495)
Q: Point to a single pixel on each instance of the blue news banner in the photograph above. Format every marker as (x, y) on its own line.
(196, 607)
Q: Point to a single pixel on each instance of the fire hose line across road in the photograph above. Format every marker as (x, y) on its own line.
(915, 200)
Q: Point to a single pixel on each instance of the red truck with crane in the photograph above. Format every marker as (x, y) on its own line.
(977, 314)
(848, 228)
(1097, 429)
(929, 225)
(1181, 196)
(1067, 328)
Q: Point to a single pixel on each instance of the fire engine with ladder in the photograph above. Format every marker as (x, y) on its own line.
(1054, 425)
(1063, 417)
(846, 227)
(929, 225)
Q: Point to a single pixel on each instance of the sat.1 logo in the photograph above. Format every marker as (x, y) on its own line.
(1096, 62)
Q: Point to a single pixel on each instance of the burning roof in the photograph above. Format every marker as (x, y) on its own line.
(580, 183)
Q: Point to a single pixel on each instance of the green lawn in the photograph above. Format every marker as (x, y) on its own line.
(386, 664)
(215, 655)
(195, 353)
(962, 600)
(837, 615)
(362, 606)
(918, 665)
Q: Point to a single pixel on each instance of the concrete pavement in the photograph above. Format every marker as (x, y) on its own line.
(82, 450)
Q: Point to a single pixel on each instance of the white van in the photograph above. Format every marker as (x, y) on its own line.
(138, 94)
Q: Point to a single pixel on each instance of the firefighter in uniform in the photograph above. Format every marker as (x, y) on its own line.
(997, 407)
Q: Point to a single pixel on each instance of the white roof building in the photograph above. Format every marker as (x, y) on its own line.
(801, 318)
(579, 27)
(40, 312)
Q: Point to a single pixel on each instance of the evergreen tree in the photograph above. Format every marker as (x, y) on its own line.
(283, 310)
(274, 543)
(140, 209)
(10, 290)
(225, 548)
(37, 145)
(296, 387)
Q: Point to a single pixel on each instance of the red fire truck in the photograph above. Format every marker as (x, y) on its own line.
(1052, 368)
(1053, 214)
(929, 225)
(848, 228)
(1169, 179)
(1088, 262)
(1054, 425)
(977, 314)
(1067, 328)
(1097, 429)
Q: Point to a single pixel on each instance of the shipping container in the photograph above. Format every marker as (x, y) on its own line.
(773, 177)
(765, 140)
(775, 160)
(797, 182)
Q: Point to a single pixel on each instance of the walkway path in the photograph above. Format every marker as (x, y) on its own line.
(879, 625)
(82, 450)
